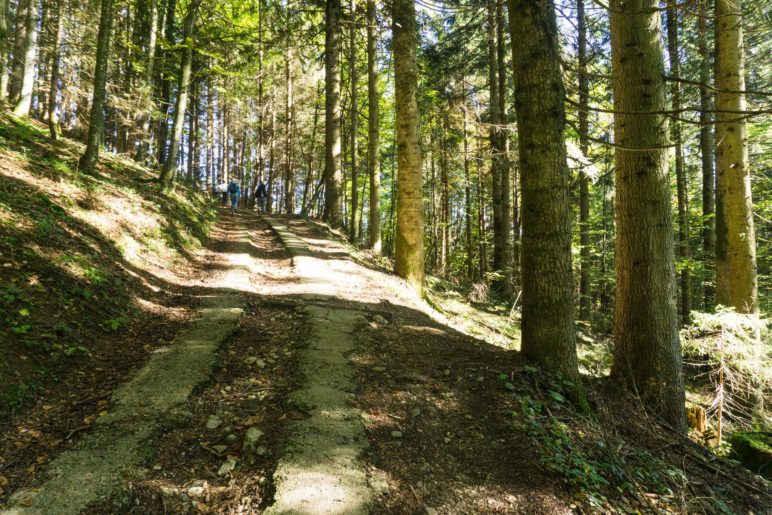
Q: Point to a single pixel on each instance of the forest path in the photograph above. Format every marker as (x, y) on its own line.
(96, 469)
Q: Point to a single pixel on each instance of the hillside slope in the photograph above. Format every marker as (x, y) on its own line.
(85, 262)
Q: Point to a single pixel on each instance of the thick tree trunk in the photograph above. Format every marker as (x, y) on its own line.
(410, 214)
(53, 85)
(736, 282)
(26, 65)
(186, 66)
(584, 180)
(333, 172)
(4, 38)
(685, 305)
(88, 160)
(707, 150)
(373, 133)
(647, 355)
(548, 335)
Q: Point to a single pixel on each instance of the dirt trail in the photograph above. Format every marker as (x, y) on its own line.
(320, 470)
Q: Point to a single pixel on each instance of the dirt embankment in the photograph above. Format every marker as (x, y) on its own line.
(95, 273)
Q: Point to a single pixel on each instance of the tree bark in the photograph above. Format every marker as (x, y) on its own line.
(467, 202)
(505, 239)
(495, 140)
(685, 305)
(53, 86)
(4, 38)
(353, 77)
(333, 172)
(166, 84)
(26, 65)
(183, 91)
(736, 281)
(410, 214)
(548, 335)
(647, 354)
(289, 177)
(143, 149)
(20, 40)
(88, 160)
(373, 132)
(584, 180)
(707, 150)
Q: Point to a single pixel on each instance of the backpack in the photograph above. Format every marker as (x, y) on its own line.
(233, 188)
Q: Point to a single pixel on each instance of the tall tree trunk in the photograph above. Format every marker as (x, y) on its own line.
(685, 305)
(495, 140)
(88, 160)
(481, 238)
(53, 86)
(289, 177)
(410, 215)
(707, 150)
(271, 156)
(19, 49)
(647, 354)
(467, 202)
(27, 60)
(210, 169)
(353, 77)
(444, 201)
(260, 96)
(186, 65)
(548, 335)
(166, 83)
(4, 38)
(505, 238)
(736, 281)
(584, 180)
(373, 132)
(333, 172)
(147, 90)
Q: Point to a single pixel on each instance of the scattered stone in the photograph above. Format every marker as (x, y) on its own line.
(220, 448)
(379, 369)
(250, 360)
(227, 466)
(431, 511)
(260, 363)
(447, 440)
(480, 379)
(250, 450)
(213, 422)
(396, 434)
(231, 439)
(378, 319)
(415, 412)
(156, 467)
(446, 371)
(196, 491)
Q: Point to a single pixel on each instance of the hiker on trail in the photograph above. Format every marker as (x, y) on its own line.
(234, 190)
(222, 188)
(261, 194)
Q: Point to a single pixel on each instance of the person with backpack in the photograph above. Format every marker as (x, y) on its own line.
(234, 191)
(261, 194)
